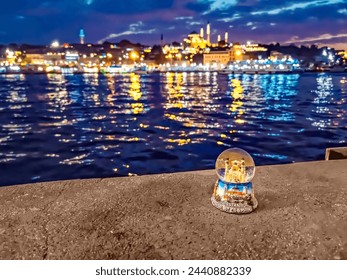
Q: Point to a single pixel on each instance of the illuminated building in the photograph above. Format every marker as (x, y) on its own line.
(10, 56)
(194, 42)
(224, 55)
(43, 57)
(343, 54)
(3, 61)
(236, 53)
(217, 56)
(275, 55)
(219, 38)
(226, 37)
(253, 48)
(202, 32)
(82, 35)
(35, 58)
(262, 66)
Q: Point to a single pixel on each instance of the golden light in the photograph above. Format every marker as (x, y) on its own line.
(109, 55)
(134, 55)
(238, 52)
(55, 44)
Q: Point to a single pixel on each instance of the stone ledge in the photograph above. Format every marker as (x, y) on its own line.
(301, 215)
(336, 153)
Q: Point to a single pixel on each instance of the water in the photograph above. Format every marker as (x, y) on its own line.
(80, 126)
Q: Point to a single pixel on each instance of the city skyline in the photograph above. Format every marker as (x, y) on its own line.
(299, 22)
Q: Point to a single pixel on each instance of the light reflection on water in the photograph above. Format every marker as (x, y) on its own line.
(79, 126)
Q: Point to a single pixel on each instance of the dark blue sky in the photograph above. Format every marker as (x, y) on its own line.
(284, 21)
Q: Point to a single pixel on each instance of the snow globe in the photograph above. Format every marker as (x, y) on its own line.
(233, 191)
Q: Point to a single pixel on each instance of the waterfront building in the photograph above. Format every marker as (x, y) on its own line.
(253, 48)
(264, 66)
(34, 58)
(275, 55)
(87, 60)
(224, 55)
(254, 51)
(3, 61)
(220, 56)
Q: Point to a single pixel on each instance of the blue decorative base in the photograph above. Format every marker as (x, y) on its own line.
(236, 198)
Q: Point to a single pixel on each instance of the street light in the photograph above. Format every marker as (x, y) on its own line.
(134, 55)
(55, 44)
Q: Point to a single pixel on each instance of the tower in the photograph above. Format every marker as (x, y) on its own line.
(226, 37)
(82, 35)
(161, 40)
(208, 33)
(218, 39)
(227, 170)
(202, 32)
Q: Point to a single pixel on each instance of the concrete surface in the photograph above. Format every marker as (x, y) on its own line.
(336, 153)
(301, 215)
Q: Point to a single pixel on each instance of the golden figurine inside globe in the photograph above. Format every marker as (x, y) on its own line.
(233, 191)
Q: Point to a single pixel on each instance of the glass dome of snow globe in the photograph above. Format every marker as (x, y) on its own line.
(235, 166)
(233, 191)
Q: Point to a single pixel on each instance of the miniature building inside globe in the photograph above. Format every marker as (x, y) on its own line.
(233, 191)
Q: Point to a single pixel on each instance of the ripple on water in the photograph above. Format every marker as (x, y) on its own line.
(81, 126)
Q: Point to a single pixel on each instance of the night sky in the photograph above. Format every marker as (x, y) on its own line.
(265, 21)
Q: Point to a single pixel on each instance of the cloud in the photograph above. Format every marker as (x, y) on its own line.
(230, 19)
(192, 23)
(183, 18)
(218, 5)
(134, 28)
(279, 21)
(322, 37)
(301, 5)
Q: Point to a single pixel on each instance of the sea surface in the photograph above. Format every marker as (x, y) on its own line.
(56, 127)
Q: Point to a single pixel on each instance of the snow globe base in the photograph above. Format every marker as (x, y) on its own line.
(235, 198)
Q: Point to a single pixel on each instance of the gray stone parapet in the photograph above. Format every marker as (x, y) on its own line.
(302, 214)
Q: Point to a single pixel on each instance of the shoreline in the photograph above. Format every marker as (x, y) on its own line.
(173, 71)
(301, 215)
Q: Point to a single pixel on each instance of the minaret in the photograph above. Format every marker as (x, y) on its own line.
(244, 191)
(226, 166)
(202, 32)
(208, 33)
(243, 170)
(162, 40)
(82, 35)
(218, 39)
(226, 37)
